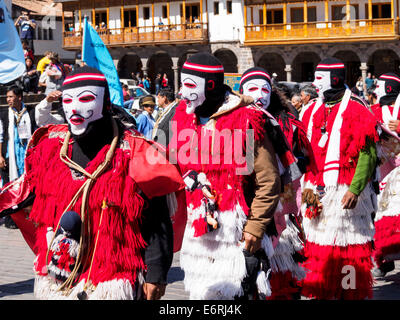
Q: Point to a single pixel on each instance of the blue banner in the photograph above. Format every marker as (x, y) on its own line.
(95, 54)
(12, 60)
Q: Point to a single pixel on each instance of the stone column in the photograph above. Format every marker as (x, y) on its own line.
(144, 66)
(176, 78)
(364, 69)
(288, 70)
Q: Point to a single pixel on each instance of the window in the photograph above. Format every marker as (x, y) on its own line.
(229, 6)
(130, 18)
(164, 12)
(274, 16)
(192, 11)
(146, 13)
(339, 12)
(39, 33)
(101, 18)
(216, 8)
(45, 34)
(51, 34)
(379, 11)
(296, 14)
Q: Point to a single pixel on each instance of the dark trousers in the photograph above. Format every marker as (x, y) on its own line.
(30, 44)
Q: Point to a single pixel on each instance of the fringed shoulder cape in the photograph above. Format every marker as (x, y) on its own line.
(136, 168)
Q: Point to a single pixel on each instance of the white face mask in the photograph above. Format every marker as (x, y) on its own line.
(322, 82)
(380, 90)
(259, 90)
(82, 106)
(193, 91)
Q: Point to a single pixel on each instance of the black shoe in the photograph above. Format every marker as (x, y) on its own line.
(9, 223)
(383, 269)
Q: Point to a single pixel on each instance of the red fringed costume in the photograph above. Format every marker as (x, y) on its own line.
(387, 219)
(337, 237)
(113, 260)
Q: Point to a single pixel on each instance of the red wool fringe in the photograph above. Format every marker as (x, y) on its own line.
(387, 238)
(120, 242)
(358, 125)
(219, 164)
(324, 271)
(283, 286)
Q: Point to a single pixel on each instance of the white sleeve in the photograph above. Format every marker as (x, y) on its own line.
(43, 115)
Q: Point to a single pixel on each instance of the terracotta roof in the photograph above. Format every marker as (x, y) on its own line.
(40, 7)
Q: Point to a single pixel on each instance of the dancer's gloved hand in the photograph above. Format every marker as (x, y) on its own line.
(153, 291)
(252, 243)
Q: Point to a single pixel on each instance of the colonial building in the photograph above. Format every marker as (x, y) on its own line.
(286, 37)
(47, 35)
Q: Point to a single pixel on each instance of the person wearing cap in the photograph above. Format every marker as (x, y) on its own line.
(222, 260)
(145, 121)
(339, 238)
(99, 223)
(387, 219)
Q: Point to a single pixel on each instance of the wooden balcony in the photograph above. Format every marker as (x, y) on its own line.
(322, 32)
(153, 35)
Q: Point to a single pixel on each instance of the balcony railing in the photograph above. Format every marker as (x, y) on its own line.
(330, 31)
(177, 33)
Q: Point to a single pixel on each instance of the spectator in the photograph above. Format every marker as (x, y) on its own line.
(30, 77)
(44, 62)
(27, 27)
(54, 74)
(160, 24)
(17, 127)
(146, 83)
(166, 103)
(145, 121)
(27, 50)
(125, 91)
(158, 83)
(296, 101)
(369, 81)
(43, 111)
(360, 87)
(164, 82)
(371, 96)
(307, 94)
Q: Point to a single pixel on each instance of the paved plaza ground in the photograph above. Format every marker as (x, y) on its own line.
(16, 273)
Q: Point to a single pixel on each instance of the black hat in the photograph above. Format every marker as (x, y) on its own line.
(336, 69)
(254, 73)
(392, 83)
(206, 66)
(392, 88)
(84, 76)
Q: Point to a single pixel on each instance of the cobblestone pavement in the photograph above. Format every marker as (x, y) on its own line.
(16, 273)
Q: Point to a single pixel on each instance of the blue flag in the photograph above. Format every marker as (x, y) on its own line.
(96, 55)
(12, 59)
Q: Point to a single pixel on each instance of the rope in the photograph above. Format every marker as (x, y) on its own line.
(84, 190)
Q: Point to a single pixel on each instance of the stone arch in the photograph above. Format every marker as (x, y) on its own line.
(383, 61)
(304, 65)
(128, 64)
(228, 59)
(333, 51)
(352, 63)
(160, 62)
(273, 63)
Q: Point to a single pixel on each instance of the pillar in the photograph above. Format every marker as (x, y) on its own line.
(364, 69)
(288, 70)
